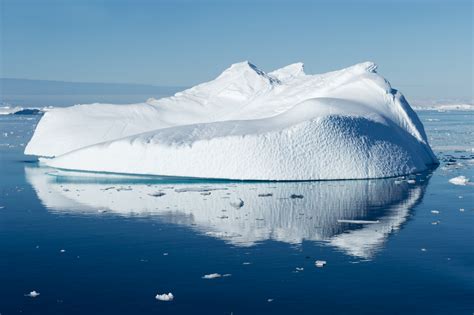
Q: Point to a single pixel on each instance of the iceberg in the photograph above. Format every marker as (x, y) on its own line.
(247, 125)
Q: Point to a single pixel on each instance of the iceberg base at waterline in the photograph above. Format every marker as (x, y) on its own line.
(247, 125)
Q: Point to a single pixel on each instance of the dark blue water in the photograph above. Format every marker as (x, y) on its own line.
(123, 245)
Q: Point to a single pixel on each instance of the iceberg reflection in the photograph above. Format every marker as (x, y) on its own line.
(290, 212)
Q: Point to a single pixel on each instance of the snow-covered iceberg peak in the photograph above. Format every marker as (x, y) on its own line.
(247, 124)
(289, 72)
(244, 68)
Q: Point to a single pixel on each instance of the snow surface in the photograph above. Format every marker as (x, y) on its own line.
(247, 124)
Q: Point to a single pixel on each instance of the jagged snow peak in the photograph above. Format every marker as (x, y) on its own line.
(247, 124)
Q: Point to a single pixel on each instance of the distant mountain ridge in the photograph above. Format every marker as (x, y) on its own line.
(28, 92)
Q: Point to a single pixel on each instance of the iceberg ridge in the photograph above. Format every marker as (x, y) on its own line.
(247, 125)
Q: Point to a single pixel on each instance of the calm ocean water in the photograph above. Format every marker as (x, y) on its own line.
(92, 244)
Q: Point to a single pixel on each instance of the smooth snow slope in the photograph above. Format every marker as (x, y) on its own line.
(247, 124)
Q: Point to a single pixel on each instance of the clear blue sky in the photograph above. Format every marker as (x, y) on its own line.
(425, 48)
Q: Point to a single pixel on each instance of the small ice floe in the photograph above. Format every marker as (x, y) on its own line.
(269, 300)
(212, 276)
(299, 268)
(165, 297)
(320, 263)
(265, 195)
(358, 221)
(461, 209)
(1, 207)
(460, 180)
(435, 211)
(62, 251)
(216, 275)
(237, 204)
(33, 294)
(423, 249)
(435, 222)
(246, 263)
(411, 181)
(157, 194)
(294, 196)
(165, 254)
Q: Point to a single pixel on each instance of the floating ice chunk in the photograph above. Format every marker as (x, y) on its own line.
(165, 297)
(33, 294)
(461, 209)
(212, 276)
(320, 263)
(269, 300)
(423, 249)
(411, 181)
(237, 204)
(460, 180)
(62, 251)
(435, 211)
(299, 268)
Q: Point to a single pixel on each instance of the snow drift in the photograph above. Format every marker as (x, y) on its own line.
(247, 124)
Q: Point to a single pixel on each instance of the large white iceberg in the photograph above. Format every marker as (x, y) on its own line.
(247, 124)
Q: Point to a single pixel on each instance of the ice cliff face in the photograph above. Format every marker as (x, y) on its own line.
(247, 124)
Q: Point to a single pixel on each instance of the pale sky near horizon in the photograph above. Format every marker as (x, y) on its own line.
(424, 48)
